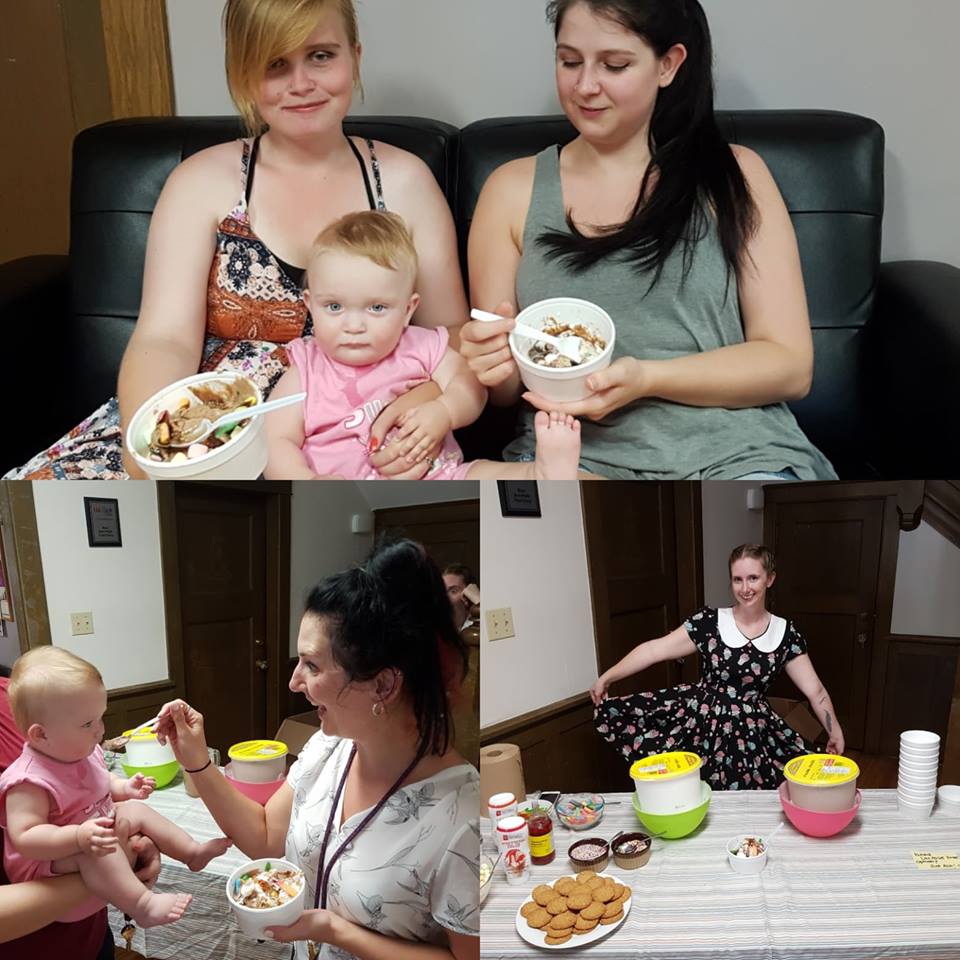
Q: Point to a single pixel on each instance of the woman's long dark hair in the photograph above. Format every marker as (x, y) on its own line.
(697, 173)
(393, 612)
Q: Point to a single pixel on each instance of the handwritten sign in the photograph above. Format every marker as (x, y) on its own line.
(936, 861)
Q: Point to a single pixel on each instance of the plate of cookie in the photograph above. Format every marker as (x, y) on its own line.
(573, 911)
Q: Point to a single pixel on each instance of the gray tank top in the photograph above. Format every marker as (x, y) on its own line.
(655, 439)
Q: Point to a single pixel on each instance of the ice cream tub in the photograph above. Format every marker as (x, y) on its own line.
(240, 453)
(667, 782)
(258, 761)
(143, 749)
(266, 893)
(822, 782)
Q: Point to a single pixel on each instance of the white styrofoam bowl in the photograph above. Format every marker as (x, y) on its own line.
(565, 384)
(254, 922)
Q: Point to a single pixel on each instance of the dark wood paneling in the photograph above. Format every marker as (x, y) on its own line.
(560, 750)
(449, 531)
(941, 508)
(919, 691)
(126, 708)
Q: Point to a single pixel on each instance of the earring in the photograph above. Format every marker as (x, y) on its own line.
(377, 709)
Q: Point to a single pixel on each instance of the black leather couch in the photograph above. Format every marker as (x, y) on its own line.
(887, 336)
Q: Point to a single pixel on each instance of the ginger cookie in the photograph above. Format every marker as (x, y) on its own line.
(556, 906)
(594, 911)
(584, 924)
(543, 894)
(555, 939)
(584, 875)
(528, 908)
(539, 918)
(563, 921)
(579, 901)
(606, 921)
(563, 885)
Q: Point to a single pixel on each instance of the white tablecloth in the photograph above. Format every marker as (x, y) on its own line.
(856, 895)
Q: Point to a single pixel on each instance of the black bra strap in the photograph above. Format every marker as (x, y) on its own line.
(366, 177)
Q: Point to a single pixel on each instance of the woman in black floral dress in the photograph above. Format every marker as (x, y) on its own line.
(725, 718)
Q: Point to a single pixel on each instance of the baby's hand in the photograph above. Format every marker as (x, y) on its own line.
(139, 787)
(421, 429)
(97, 838)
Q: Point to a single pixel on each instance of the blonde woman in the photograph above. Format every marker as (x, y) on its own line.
(232, 229)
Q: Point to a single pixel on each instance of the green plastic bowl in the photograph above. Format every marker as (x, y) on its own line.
(164, 773)
(672, 826)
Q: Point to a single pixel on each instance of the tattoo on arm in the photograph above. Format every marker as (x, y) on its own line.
(827, 722)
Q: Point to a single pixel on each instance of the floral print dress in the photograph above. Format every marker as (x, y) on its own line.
(725, 718)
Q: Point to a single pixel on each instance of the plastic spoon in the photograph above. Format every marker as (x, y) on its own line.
(119, 742)
(569, 346)
(235, 416)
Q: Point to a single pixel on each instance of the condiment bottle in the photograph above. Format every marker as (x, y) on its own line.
(540, 828)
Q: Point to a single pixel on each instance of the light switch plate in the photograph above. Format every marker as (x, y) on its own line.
(500, 623)
(81, 624)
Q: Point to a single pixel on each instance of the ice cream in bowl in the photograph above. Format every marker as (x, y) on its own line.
(266, 893)
(542, 368)
(163, 436)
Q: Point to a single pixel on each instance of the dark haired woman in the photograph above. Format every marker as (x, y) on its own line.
(681, 237)
(724, 718)
(379, 811)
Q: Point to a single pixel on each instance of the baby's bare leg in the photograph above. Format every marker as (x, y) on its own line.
(169, 838)
(111, 878)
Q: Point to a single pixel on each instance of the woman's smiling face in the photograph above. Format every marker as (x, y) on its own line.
(343, 707)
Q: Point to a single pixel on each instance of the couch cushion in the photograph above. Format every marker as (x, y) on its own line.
(119, 169)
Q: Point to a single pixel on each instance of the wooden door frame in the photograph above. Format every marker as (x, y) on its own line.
(136, 41)
(278, 495)
(688, 544)
(903, 504)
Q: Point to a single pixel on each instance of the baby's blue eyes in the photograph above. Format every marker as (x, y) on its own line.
(378, 307)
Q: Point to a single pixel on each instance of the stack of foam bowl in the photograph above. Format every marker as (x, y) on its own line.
(917, 776)
(819, 795)
(669, 797)
(257, 768)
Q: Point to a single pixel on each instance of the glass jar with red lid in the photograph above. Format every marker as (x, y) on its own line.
(540, 827)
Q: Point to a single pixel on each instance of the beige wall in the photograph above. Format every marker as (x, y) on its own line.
(726, 524)
(926, 599)
(883, 60)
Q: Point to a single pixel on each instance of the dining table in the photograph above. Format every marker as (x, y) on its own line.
(208, 929)
(885, 886)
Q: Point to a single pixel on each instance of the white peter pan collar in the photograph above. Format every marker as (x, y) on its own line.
(767, 642)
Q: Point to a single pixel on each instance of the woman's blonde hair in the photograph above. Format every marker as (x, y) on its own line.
(42, 675)
(257, 32)
(755, 551)
(378, 236)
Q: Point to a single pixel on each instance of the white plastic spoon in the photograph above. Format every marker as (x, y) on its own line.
(235, 416)
(569, 346)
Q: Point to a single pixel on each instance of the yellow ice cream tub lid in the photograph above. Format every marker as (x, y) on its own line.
(821, 770)
(257, 750)
(143, 736)
(665, 766)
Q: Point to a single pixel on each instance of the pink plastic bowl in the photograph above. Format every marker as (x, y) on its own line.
(260, 792)
(812, 822)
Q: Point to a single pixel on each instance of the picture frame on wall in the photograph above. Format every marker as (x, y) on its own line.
(103, 522)
(519, 498)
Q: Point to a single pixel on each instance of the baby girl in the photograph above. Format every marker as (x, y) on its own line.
(57, 800)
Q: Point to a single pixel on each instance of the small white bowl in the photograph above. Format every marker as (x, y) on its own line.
(745, 864)
(920, 738)
(254, 922)
(485, 887)
(948, 799)
(563, 384)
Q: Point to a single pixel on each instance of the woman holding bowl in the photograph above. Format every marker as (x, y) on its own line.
(379, 811)
(231, 231)
(682, 238)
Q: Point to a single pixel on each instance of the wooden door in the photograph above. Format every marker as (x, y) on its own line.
(828, 551)
(222, 550)
(66, 65)
(644, 570)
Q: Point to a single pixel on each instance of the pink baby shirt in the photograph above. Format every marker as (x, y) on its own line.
(343, 401)
(78, 791)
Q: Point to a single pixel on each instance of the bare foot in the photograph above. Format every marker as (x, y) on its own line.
(205, 852)
(155, 909)
(558, 446)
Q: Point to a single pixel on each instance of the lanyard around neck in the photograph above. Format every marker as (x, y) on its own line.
(324, 870)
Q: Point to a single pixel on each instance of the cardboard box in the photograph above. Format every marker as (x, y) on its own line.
(295, 731)
(797, 714)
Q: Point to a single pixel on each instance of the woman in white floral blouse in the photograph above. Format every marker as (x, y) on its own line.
(379, 811)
